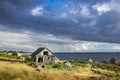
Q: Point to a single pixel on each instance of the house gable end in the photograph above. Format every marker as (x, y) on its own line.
(41, 51)
(45, 51)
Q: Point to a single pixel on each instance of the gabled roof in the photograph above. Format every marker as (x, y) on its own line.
(39, 50)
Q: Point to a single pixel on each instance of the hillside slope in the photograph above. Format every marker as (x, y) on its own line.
(21, 71)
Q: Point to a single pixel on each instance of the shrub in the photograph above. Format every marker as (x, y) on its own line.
(58, 65)
(27, 59)
(112, 60)
(80, 63)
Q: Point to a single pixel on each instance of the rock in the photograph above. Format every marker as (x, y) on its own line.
(114, 61)
(94, 78)
(38, 68)
(32, 64)
(96, 71)
(90, 60)
(42, 65)
(67, 65)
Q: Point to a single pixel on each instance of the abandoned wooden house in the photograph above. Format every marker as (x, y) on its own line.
(43, 56)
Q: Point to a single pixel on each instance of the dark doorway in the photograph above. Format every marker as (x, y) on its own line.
(40, 59)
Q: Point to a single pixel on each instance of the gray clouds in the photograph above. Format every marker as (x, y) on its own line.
(76, 20)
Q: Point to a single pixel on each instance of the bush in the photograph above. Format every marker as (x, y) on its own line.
(79, 63)
(27, 59)
(58, 65)
(112, 60)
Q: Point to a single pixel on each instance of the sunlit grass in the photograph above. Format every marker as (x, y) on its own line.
(20, 71)
(79, 71)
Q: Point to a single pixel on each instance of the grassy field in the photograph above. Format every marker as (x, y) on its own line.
(80, 71)
(19, 71)
(107, 71)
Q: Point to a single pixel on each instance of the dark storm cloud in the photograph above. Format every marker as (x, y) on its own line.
(17, 14)
(12, 12)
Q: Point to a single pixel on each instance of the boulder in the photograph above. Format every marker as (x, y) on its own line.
(96, 71)
(38, 68)
(94, 78)
(67, 65)
(114, 61)
(90, 60)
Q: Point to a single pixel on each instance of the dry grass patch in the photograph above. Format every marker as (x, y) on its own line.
(16, 71)
(20, 71)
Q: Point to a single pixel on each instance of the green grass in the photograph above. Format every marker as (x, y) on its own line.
(81, 70)
(5, 57)
(5, 54)
(112, 71)
(20, 71)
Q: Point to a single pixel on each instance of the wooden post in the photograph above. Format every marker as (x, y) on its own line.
(36, 59)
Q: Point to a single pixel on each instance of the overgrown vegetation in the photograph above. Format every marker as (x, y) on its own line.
(109, 71)
(7, 56)
(81, 70)
(20, 71)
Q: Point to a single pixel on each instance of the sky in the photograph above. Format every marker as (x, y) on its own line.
(60, 25)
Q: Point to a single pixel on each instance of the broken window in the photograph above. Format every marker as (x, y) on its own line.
(45, 53)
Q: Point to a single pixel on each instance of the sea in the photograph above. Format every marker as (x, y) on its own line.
(95, 56)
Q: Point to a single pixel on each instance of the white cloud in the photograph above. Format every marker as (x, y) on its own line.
(78, 11)
(102, 8)
(116, 47)
(29, 41)
(12, 37)
(37, 11)
(14, 41)
(16, 46)
(85, 11)
(83, 46)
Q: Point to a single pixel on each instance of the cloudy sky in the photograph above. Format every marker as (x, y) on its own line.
(60, 25)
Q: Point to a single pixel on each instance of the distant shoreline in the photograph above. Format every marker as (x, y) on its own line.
(85, 56)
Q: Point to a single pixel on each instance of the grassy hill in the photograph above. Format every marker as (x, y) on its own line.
(80, 71)
(19, 71)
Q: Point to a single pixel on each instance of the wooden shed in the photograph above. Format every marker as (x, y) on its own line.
(43, 56)
(17, 54)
